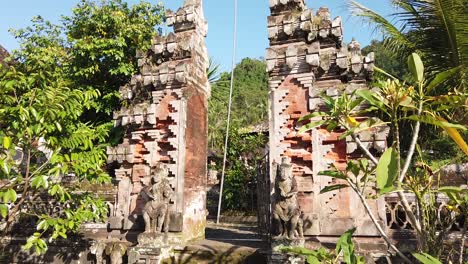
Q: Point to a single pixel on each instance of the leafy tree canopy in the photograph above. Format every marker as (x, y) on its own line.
(56, 100)
(42, 141)
(98, 44)
(249, 101)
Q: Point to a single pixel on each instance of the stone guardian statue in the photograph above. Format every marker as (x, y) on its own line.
(286, 211)
(156, 210)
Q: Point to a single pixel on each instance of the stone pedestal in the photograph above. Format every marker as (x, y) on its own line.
(145, 255)
(154, 240)
(275, 256)
(283, 258)
(151, 249)
(154, 247)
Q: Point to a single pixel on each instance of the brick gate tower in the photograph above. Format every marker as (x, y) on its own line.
(307, 57)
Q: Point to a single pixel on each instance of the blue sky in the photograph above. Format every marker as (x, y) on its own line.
(252, 30)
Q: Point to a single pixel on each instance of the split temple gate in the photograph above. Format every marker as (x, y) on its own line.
(158, 198)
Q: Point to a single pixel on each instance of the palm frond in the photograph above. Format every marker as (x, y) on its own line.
(396, 39)
(212, 71)
(436, 24)
(436, 29)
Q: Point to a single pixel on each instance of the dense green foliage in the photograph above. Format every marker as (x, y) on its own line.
(245, 150)
(249, 101)
(104, 37)
(344, 248)
(386, 59)
(245, 153)
(98, 44)
(56, 101)
(41, 141)
(436, 30)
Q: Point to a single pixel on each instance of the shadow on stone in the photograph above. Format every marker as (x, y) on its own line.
(217, 252)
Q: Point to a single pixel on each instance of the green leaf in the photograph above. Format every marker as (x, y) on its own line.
(3, 210)
(54, 190)
(387, 170)
(313, 260)
(382, 71)
(9, 196)
(312, 125)
(59, 127)
(312, 115)
(440, 78)
(42, 225)
(453, 192)
(298, 250)
(332, 188)
(364, 163)
(353, 168)
(429, 119)
(332, 125)
(453, 189)
(416, 67)
(370, 97)
(426, 258)
(361, 260)
(40, 181)
(355, 103)
(345, 245)
(363, 126)
(334, 174)
(6, 142)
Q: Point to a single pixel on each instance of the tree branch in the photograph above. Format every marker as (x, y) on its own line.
(412, 147)
(401, 195)
(16, 208)
(463, 239)
(377, 225)
(365, 150)
(40, 168)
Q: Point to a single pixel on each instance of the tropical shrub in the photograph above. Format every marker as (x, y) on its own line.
(56, 103)
(344, 250)
(393, 173)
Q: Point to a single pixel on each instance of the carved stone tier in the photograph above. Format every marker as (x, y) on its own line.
(307, 57)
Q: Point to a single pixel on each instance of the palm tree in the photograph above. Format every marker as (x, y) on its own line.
(436, 29)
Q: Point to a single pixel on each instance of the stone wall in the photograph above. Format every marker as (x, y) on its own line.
(307, 57)
(3, 54)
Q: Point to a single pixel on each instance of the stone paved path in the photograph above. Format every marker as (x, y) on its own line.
(230, 244)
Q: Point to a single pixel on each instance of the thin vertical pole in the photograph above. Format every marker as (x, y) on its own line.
(229, 113)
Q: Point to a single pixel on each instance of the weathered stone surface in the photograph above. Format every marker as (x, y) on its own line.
(116, 222)
(3, 55)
